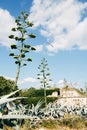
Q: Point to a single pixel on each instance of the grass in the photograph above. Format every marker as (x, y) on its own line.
(50, 124)
(73, 121)
(69, 122)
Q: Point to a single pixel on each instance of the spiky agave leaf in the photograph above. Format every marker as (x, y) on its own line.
(9, 95)
(6, 100)
(38, 105)
(17, 116)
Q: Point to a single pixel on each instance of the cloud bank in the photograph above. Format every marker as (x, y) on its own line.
(6, 23)
(25, 82)
(62, 22)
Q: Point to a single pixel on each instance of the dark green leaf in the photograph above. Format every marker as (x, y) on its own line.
(30, 24)
(11, 54)
(42, 71)
(19, 17)
(46, 64)
(48, 74)
(25, 51)
(22, 55)
(32, 35)
(29, 59)
(41, 81)
(27, 46)
(19, 28)
(13, 29)
(11, 36)
(17, 62)
(25, 16)
(17, 21)
(16, 38)
(21, 39)
(32, 48)
(24, 64)
(24, 31)
(13, 46)
(16, 57)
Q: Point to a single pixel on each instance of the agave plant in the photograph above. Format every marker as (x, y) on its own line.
(8, 109)
(4, 99)
(13, 114)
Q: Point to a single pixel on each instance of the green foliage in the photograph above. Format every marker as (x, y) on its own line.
(22, 48)
(31, 35)
(6, 86)
(73, 121)
(34, 95)
(13, 46)
(51, 99)
(28, 92)
(31, 100)
(32, 92)
(34, 100)
(50, 124)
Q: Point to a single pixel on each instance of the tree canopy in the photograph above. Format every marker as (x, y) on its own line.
(6, 86)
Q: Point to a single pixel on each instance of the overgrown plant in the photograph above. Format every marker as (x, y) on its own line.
(73, 121)
(43, 76)
(21, 49)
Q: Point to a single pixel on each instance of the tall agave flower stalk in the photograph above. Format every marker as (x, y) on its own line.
(22, 48)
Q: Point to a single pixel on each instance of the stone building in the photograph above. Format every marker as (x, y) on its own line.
(69, 92)
(71, 97)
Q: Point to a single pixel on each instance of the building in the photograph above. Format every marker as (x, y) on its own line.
(70, 96)
(69, 92)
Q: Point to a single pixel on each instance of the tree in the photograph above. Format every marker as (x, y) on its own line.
(43, 76)
(6, 86)
(22, 48)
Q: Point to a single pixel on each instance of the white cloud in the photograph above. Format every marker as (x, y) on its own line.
(62, 21)
(24, 83)
(39, 48)
(60, 83)
(27, 80)
(6, 23)
(9, 78)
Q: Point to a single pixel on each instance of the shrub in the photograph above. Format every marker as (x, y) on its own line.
(73, 121)
(34, 100)
(31, 100)
(32, 92)
(50, 124)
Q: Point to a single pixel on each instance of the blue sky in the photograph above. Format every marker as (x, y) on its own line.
(63, 24)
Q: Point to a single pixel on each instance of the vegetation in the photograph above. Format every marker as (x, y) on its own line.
(50, 124)
(19, 53)
(34, 95)
(6, 86)
(73, 121)
(33, 92)
(22, 47)
(43, 76)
